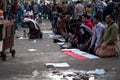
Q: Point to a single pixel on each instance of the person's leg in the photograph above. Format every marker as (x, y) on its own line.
(17, 21)
(91, 51)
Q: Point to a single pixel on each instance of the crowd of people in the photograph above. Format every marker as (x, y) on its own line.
(17, 9)
(85, 28)
(81, 23)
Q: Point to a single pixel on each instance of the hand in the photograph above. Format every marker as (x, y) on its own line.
(79, 46)
(76, 40)
(95, 48)
(63, 33)
(86, 45)
(89, 48)
(103, 46)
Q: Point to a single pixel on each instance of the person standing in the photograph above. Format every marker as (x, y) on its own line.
(100, 8)
(119, 19)
(97, 34)
(35, 9)
(14, 13)
(79, 9)
(110, 39)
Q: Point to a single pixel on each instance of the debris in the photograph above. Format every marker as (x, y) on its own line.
(56, 36)
(32, 50)
(47, 32)
(51, 35)
(34, 41)
(113, 69)
(64, 46)
(62, 39)
(83, 71)
(92, 77)
(49, 66)
(96, 71)
(56, 73)
(79, 75)
(35, 73)
(23, 38)
(100, 71)
(64, 78)
(60, 43)
(48, 45)
(57, 65)
(91, 72)
(56, 40)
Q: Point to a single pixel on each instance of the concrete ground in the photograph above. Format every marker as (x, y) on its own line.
(30, 65)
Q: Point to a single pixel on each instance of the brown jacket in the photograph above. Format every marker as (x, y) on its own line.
(62, 25)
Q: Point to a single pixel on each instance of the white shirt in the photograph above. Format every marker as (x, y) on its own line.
(97, 34)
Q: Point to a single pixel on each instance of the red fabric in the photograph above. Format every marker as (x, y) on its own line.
(89, 24)
(74, 55)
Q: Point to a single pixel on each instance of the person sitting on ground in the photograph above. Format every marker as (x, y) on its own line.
(97, 34)
(55, 23)
(34, 29)
(109, 41)
(73, 37)
(85, 33)
(86, 21)
(67, 23)
(63, 29)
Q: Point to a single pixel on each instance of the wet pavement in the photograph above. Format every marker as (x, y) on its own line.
(30, 65)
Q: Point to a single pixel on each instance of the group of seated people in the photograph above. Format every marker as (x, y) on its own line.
(86, 35)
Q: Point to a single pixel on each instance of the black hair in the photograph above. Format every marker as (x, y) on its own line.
(63, 2)
(112, 16)
(73, 25)
(62, 16)
(78, 1)
(86, 16)
(97, 17)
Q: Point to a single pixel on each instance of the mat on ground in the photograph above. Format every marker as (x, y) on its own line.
(76, 53)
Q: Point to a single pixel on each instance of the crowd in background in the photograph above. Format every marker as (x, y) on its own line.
(80, 23)
(75, 8)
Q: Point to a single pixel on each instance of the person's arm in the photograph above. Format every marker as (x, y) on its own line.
(99, 36)
(87, 44)
(93, 39)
